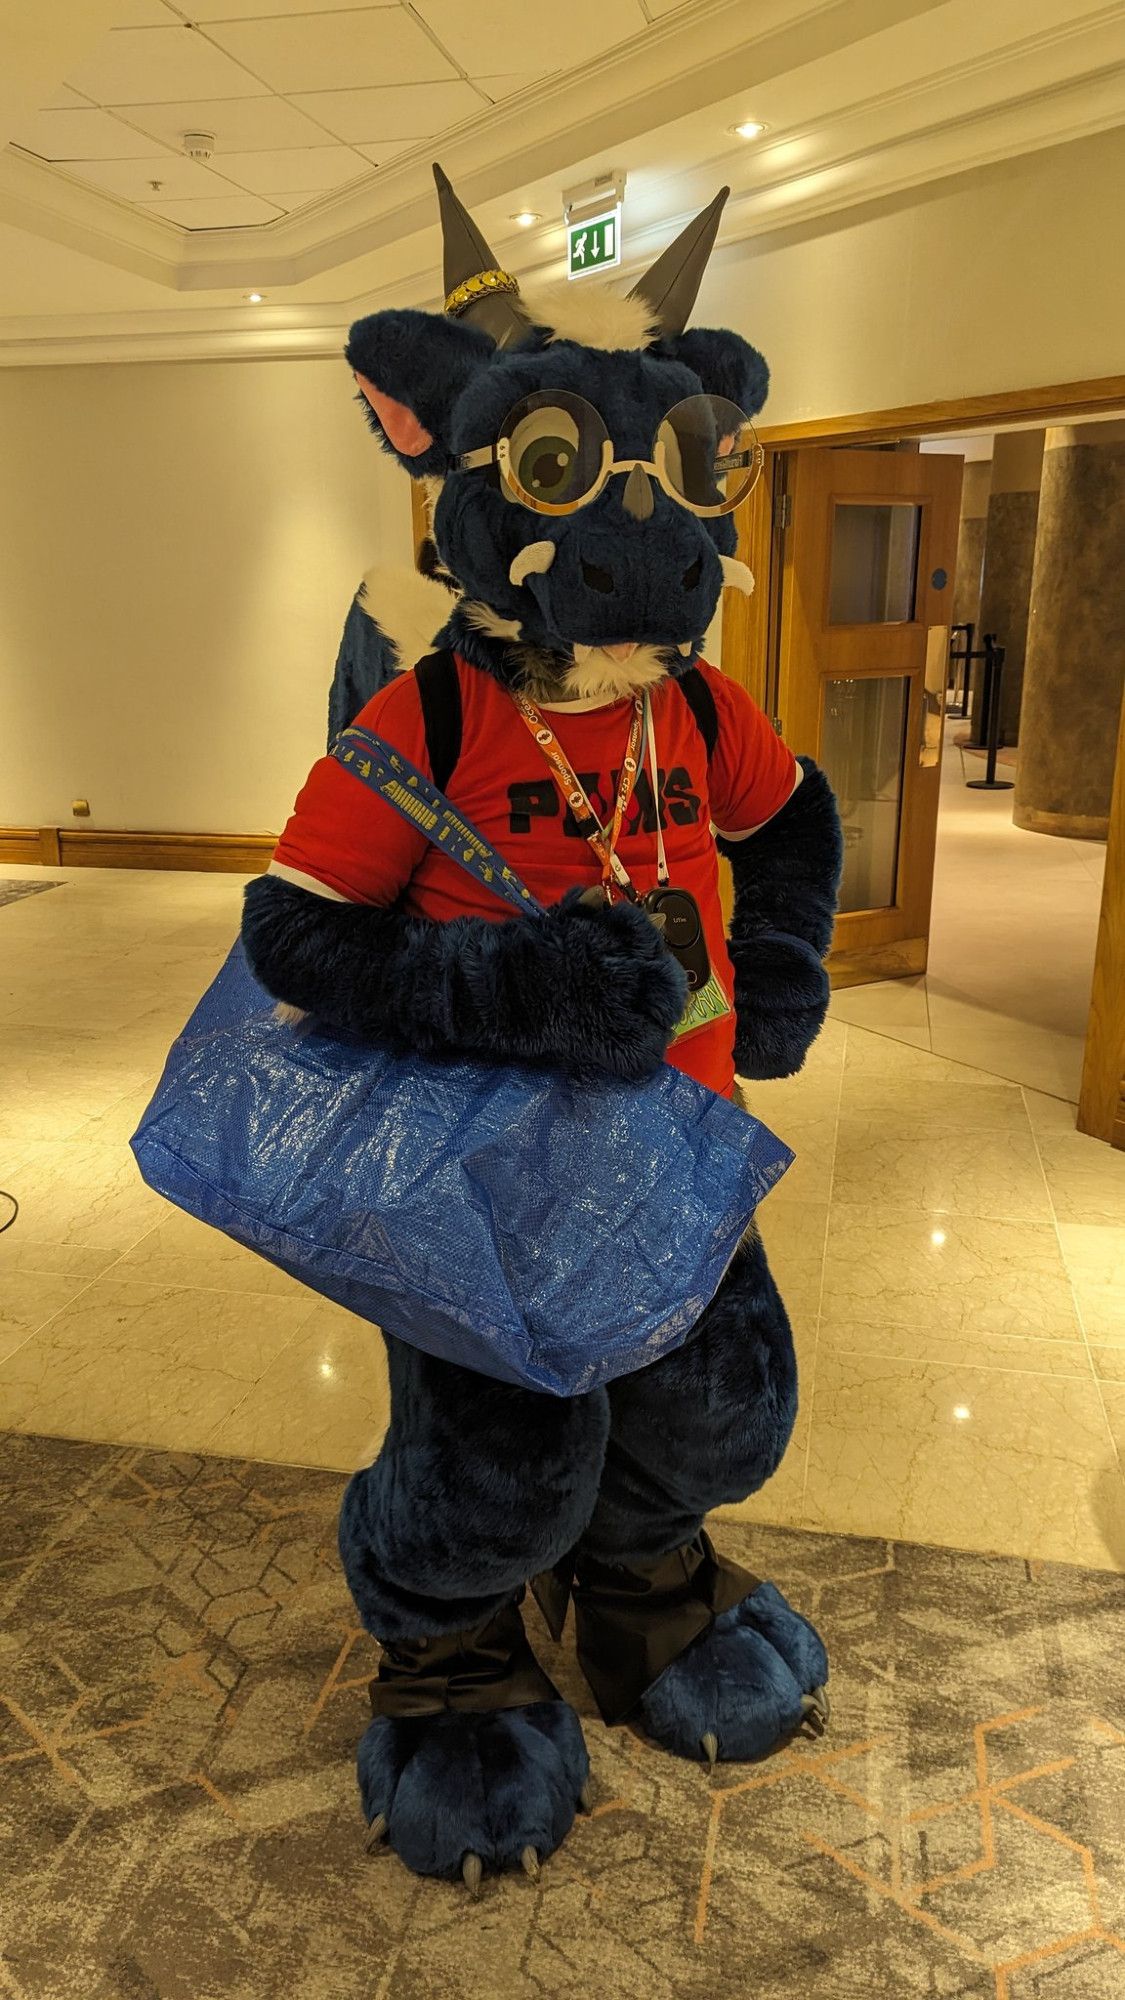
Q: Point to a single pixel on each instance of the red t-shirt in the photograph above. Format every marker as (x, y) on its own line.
(344, 841)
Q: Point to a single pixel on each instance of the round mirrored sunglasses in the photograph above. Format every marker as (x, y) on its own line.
(554, 454)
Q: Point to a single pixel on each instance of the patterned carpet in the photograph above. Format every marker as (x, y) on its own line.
(183, 1688)
(14, 892)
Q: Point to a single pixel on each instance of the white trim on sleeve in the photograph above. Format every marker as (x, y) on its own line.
(309, 882)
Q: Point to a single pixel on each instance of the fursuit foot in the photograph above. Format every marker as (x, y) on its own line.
(744, 1687)
(472, 1763)
(463, 1795)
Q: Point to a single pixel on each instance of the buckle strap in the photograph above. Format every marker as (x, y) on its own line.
(634, 1620)
(487, 1668)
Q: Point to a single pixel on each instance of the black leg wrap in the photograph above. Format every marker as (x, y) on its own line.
(488, 1668)
(633, 1621)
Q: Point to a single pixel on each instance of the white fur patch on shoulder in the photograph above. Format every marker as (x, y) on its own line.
(488, 621)
(408, 607)
(589, 313)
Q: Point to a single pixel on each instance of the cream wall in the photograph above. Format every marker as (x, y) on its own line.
(1000, 279)
(179, 542)
(179, 545)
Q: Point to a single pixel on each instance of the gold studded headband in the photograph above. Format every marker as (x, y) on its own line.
(471, 289)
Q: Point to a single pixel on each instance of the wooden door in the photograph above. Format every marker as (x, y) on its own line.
(865, 587)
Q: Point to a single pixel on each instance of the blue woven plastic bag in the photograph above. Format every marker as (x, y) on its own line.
(535, 1229)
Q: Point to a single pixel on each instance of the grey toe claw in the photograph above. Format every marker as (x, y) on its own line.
(376, 1833)
(472, 1871)
(709, 1745)
(815, 1710)
(530, 1862)
(586, 1799)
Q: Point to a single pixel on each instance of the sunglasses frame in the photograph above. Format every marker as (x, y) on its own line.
(500, 455)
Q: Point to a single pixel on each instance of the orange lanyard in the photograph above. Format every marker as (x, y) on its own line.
(603, 840)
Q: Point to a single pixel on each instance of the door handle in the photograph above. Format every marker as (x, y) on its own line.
(933, 695)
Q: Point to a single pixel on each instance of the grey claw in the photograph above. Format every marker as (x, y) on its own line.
(709, 1745)
(376, 1832)
(472, 1870)
(815, 1710)
(586, 1799)
(530, 1862)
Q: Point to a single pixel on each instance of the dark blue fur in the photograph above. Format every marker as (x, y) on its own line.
(462, 390)
(591, 988)
(490, 1785)
(786, 879)
(726, 365)
(424, 361)
(741, 1682)
(477, 1487)
(702, 1428)
(366, 661)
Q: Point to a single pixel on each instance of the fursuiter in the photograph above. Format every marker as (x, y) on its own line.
(575, 447)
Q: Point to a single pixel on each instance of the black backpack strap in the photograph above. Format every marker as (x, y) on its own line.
(701, 702)
(439, 692)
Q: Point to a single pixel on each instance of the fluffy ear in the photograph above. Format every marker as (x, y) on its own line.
(411, 368)
(726, 365)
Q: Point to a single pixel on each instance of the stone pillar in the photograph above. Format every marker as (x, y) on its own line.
(970, 542)
(1075, 664)
(1009, 553)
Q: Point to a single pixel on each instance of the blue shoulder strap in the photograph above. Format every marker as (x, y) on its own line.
(386, 772)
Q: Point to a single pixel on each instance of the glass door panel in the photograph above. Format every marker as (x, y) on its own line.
(863, 750)
(873, 566)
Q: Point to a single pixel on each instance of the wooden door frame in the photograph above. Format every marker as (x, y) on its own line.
(1101, 1108)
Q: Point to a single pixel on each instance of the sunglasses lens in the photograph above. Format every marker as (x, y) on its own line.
(553, 450)
(711, 455)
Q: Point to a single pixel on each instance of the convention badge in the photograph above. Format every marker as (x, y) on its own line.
(677, 914)
(705, 1006)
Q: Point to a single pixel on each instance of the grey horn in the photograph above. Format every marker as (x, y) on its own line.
(671, 287)
(466, 255)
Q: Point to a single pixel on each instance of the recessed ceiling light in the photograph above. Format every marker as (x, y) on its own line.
(751, 128)
(255, 298)
(526, 218)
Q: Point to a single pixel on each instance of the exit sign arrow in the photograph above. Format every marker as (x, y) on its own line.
(593, 244)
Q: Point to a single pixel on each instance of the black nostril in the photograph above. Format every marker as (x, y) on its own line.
(596, 578)
(693, 573)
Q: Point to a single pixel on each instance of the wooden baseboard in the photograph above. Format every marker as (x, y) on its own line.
(858, 966)
(203, 853)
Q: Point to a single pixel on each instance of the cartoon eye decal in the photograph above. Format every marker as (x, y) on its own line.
(551, 450)
(708, 454)
(544, 450)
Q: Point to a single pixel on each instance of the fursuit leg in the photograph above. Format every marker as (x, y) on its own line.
(472, 1762)
(712, 1661)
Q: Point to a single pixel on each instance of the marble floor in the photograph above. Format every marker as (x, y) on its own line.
(1012, 937)
(952, 1250)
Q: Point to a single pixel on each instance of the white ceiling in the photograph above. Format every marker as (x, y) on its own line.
(302, 96)
(326, 114)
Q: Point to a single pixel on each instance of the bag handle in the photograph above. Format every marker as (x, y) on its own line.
(400, 784)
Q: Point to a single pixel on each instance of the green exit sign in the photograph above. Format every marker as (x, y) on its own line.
(595, 244)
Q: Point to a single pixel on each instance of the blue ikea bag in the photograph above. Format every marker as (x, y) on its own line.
(536, 1229)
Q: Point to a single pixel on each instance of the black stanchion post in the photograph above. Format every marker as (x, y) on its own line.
(993, 683)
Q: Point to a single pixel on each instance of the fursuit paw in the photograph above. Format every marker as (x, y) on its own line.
(781, 999)
(460, 1795)
(743, 1687)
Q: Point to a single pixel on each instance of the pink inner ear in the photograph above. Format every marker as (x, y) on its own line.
(400, 424)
